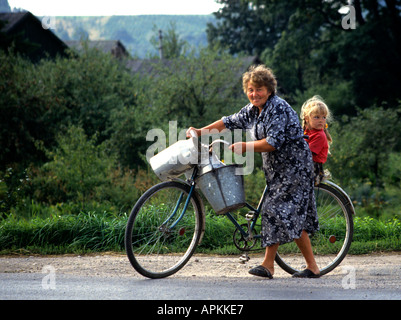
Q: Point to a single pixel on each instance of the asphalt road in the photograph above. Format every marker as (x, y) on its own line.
(373, 277)
(32, 286)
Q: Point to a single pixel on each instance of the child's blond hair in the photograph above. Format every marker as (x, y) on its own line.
(316, 105)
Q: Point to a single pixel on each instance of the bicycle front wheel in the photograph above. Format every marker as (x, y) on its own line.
(331, 243)
(163, 229)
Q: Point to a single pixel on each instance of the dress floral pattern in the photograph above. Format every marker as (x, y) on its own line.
(289, 206)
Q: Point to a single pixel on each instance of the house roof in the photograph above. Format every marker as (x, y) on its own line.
(115, 47)
(145, 66)
(12, 19)
(15, 20)
(24, 25)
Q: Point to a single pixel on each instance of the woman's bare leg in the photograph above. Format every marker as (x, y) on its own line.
(305, 246)
(270, 254)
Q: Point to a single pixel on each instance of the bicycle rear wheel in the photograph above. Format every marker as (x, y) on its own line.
(332, 242)
(159, 237)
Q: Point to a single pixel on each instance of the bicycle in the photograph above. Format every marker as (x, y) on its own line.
(168, 222)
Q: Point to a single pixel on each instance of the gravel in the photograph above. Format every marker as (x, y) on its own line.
(382, 270)
(110, 276)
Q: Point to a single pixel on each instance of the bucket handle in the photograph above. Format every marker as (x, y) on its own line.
(219, 141)
(215, 142)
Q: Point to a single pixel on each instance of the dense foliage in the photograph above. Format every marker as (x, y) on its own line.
(305, 43)
(73, 130)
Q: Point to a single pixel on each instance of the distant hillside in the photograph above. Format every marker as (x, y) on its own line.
(134, 31)
(4, 6)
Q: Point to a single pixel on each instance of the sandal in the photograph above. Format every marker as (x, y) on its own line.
(261, 271)
(305, 274)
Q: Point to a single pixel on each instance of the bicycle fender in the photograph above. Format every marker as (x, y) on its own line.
(344, 194)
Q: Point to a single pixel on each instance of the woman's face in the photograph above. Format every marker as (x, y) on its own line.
(257, 95)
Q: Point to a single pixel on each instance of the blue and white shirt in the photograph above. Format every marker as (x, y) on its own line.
(290, 205)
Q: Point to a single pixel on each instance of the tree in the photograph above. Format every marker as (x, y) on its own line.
(370, 57)
(77, 167)
(198, 87)
(129, 128)
(363, 144)
(303, 41)
(249, 26)
(329, 54)
(23, 101)
(39, 101)
(171, 44)
(87, 89)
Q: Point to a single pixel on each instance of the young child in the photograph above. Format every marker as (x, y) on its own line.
(314, 115)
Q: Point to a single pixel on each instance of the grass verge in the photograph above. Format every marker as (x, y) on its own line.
(99, 232)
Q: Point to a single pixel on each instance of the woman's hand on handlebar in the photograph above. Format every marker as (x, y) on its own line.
(238, 147)
(197, 132)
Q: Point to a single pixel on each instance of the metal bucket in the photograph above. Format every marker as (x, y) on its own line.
(176, 159)
(208, 162)
(223, 189)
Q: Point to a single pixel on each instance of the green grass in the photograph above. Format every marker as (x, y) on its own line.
(372, 235)
(85, 232)
(98, 232)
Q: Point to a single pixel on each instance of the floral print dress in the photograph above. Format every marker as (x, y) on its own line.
(289, 206)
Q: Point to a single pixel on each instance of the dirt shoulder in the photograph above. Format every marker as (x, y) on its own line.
(377, 265)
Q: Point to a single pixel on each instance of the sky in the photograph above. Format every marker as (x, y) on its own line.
(114, 7)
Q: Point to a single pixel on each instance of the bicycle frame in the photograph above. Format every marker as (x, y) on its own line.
(255, 217)
(191, 191)
(176, 208)
(256, 211)
(192, 183)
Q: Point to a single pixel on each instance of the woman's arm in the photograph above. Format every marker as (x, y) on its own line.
(238, 147)
(258, 146)
(217, 126)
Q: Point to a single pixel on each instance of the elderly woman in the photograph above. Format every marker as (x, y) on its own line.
(289, 210)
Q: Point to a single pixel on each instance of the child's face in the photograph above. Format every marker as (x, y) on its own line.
(316, 121)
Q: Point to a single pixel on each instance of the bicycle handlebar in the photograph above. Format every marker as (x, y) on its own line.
(193, 134)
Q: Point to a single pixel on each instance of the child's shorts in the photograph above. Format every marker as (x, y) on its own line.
(319, 172)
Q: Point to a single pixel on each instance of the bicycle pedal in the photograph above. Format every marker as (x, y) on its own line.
(244, 258)
(249, 215)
